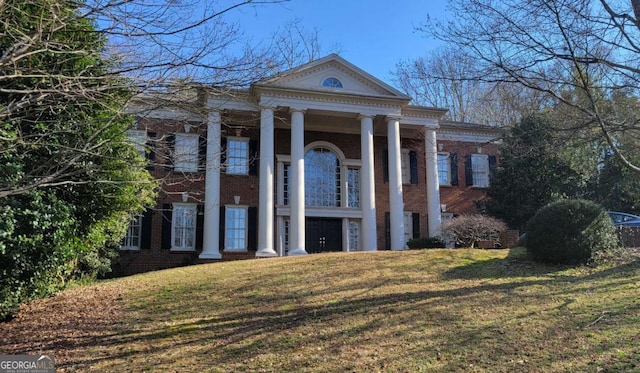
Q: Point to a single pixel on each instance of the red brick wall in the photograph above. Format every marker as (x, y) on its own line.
(459, 199)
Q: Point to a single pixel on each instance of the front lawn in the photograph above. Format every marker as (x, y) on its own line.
(423, 310)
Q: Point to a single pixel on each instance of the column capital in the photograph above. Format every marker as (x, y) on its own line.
(268, 107)
(363, 116)
(393, 117)
(297, 110)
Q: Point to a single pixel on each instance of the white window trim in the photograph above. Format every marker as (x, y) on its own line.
(408, 228)
(405, 164)
(173, 226)
(448, 169)
(485, 158)
(185, 166)
(138, 139)
(247, 160)
(129, 247)
(246, 227)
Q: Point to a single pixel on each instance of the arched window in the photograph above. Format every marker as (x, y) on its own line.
(332, 83)
(321, 178)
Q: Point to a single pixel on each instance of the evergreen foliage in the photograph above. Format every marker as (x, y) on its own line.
(69, 179)
(570, 231)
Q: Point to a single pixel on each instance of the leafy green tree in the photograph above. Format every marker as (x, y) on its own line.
(532, 172)
(69, 179)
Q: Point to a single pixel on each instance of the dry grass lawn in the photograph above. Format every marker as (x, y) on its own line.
(428, 310)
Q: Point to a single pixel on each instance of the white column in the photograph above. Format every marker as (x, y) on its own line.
(296, 185)
(396, 205)
(211, 234)
(433, 186)
(369, 237)
(265, 196)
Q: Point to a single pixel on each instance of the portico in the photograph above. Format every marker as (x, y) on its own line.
(328, 185)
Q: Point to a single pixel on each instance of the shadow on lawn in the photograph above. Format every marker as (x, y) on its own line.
(261, 326)
(518, 263)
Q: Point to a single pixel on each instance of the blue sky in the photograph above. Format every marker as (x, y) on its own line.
(372, 34)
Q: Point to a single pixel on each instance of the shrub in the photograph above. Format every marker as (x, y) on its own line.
(467, 230)
(426, 243)
(569, 232)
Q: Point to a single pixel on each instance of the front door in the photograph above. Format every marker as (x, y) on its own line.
(323, 235)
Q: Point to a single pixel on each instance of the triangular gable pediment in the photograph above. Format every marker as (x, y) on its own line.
(311, 76)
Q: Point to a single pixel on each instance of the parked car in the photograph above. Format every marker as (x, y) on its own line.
(624, 219)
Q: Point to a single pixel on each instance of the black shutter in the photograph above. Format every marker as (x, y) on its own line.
(145, 234)
(385, 165)
(468, 171)
(413, 167)
(151, 150)
(166, 227)
(453, 163)
(492, 168)
(416, 224)
(254, 157)
(222, 228)
(223, 153)
(199, 227)
(252, 229)
(171, 148)
(202, 153)
(387, 230)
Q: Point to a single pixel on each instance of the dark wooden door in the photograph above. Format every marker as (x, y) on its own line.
(323, 235)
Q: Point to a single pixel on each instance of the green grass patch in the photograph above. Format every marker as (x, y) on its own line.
(413, 311)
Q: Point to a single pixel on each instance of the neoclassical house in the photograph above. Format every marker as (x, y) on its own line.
(323, 157)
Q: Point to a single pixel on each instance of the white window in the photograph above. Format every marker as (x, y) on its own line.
(406, 166)
(132, 240)
(183, 234)
(444, 168)
(235, 236)
(408, 227)
(237, 156)
(354, 235)
(353, 180)
(480, 169)
(332, 83)
(138, 139)
(322, 178)
(186, 153)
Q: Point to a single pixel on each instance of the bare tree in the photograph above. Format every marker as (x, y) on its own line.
(57, 57)
(590, 48)
(446, 77)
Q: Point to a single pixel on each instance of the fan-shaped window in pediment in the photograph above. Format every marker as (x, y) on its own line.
(332, 82)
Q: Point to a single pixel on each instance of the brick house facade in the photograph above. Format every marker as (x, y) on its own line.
(324, 157)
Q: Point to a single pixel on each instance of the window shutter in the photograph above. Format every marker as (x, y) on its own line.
(385, 165)
(145, 234)
(254, 157)
(416, 224)
(222, 228)
(252, 229)
(151, 150)
(492, 168)
(387, 230)
(453, 163)
(202, 153)
(413, 167)
(199, 226)
(223, 153)
(166, 227)
(468, 171)
(171, 148)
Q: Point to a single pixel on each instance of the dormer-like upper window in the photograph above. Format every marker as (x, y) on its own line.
(332, 83)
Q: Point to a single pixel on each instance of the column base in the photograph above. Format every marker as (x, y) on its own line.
(211, 255)
(297, 252)
(266, 253)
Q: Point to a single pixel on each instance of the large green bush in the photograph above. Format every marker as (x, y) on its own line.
(570, 232)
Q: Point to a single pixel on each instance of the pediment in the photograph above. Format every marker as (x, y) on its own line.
(311, 76)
